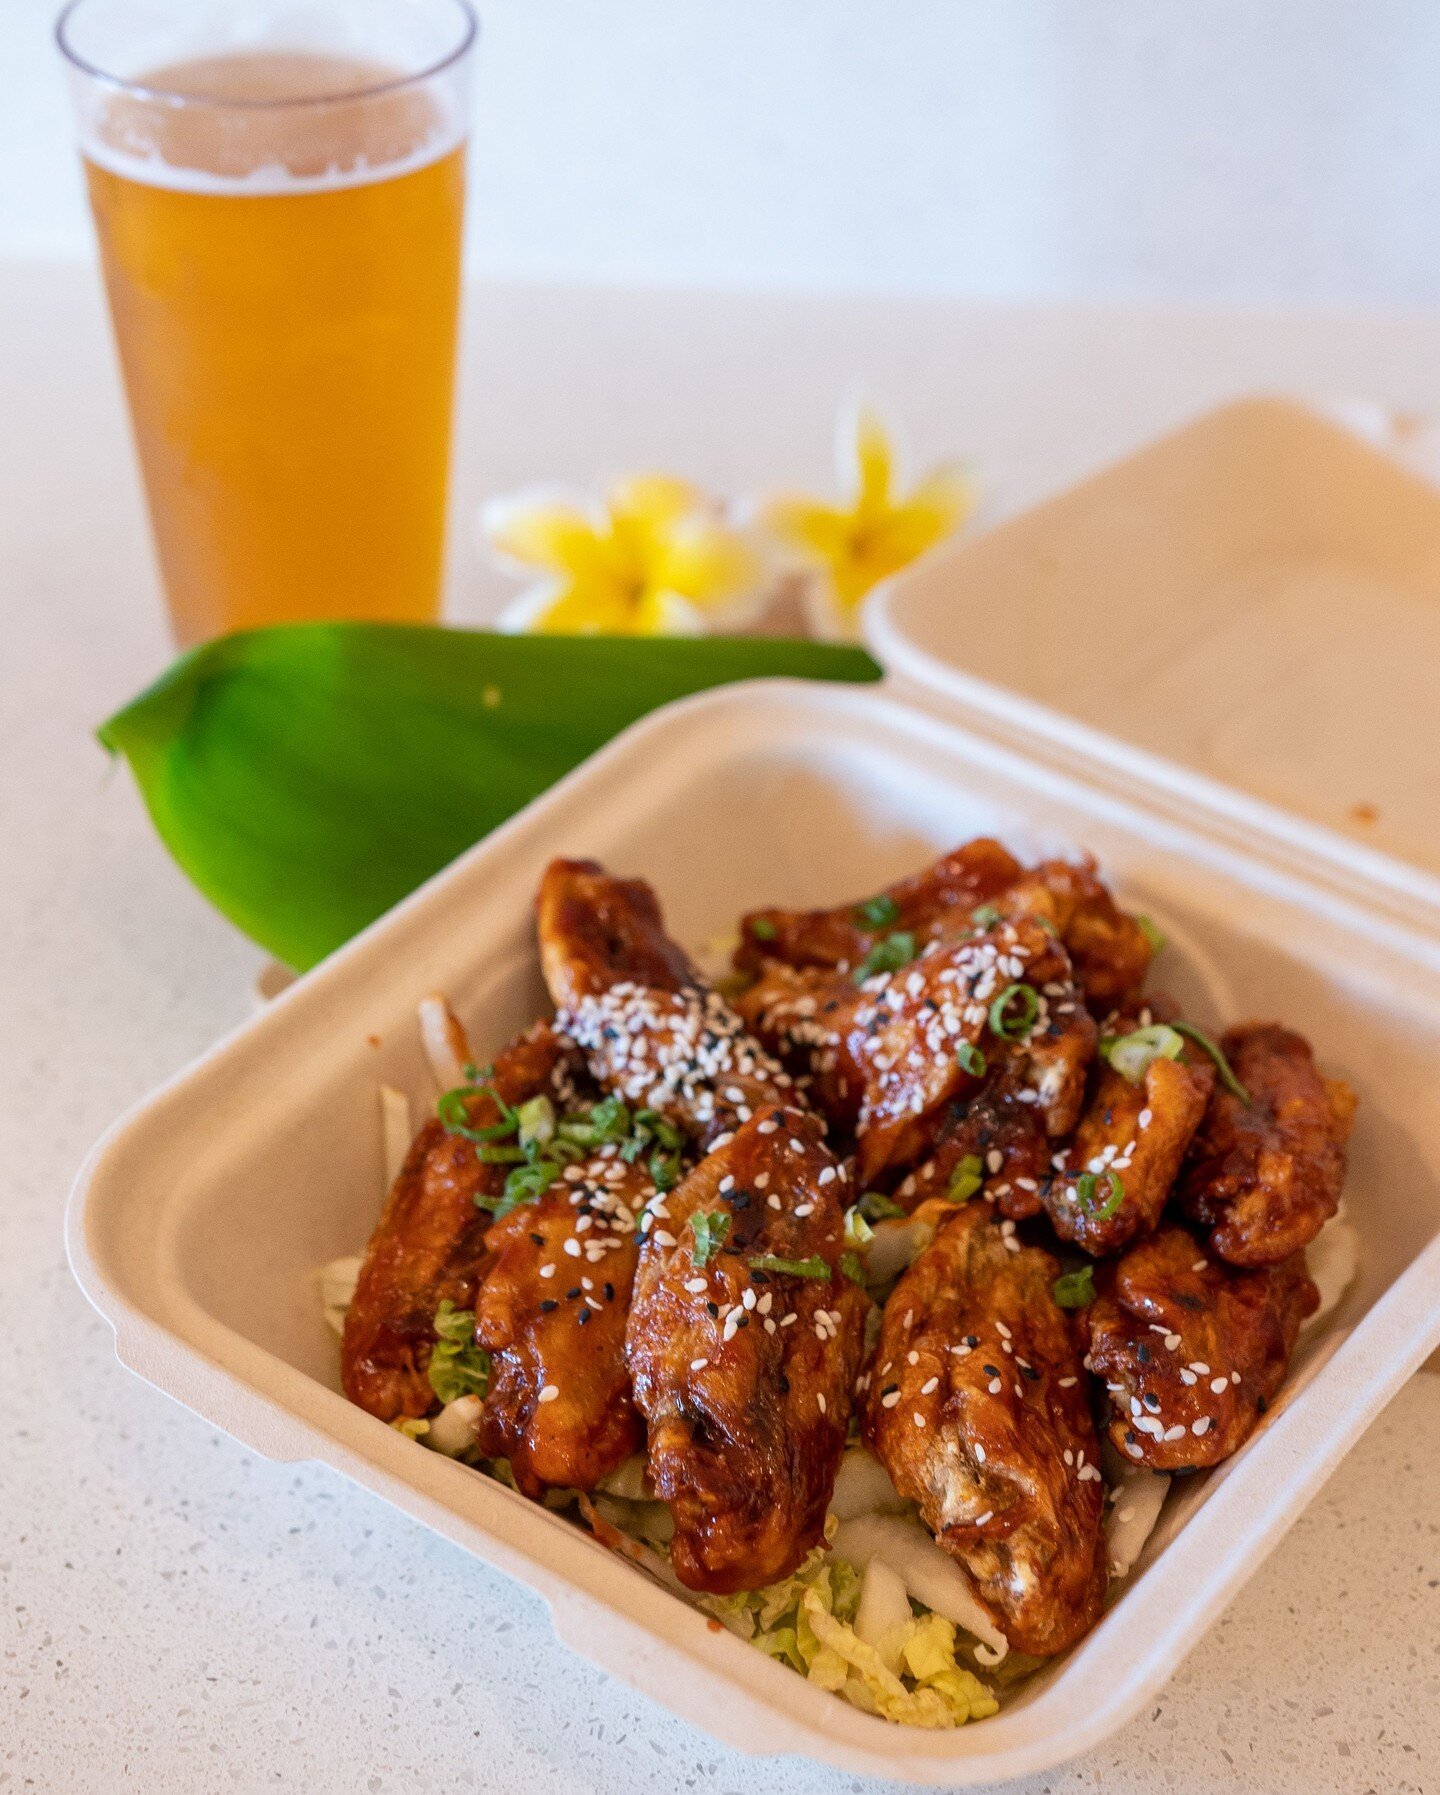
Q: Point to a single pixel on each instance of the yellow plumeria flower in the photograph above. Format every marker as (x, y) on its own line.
(655, 559)
(850, 547)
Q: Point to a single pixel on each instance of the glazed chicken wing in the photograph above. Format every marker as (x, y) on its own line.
(1118, 1169)
(552, 1314)
(891, 1052)
(1107, 946)
(977, 1405)
(429, 1245)
(744, 1343)
(932, 903)
(1265, 1176)
(1190, 1349)
(993, 1141)
(651, 1028)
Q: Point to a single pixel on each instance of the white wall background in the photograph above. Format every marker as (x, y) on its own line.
(1212, 149)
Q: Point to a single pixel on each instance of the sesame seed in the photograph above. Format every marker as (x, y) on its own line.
(980, 1520)
(698, 1364)
(1201, 1425)
(1068, 1383)
(572, 1247)
(889, 1400)
(1219, 1385)
(820, 1402)
(547, 1271)
(931, 1383)
(696, 1286)
(918, 1418)
(549, 1393)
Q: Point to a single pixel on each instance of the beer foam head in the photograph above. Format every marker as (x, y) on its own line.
(263, 122)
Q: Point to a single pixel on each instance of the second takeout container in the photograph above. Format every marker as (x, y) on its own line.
(1141, 668)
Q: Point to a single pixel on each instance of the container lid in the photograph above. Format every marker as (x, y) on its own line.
(1245, 614)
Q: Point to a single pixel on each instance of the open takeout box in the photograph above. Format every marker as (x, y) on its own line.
(1196, 665)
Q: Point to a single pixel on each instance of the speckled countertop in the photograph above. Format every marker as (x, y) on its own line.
(177, 1615)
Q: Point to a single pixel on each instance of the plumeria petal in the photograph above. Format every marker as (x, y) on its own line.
(871, 458)
(817, 533)
(545, 528)
(706, 564)
(654, 500)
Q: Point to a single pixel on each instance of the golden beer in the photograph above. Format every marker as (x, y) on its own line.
(283, 269)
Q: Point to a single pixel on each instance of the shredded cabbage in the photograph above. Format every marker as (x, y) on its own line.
(807, 1621)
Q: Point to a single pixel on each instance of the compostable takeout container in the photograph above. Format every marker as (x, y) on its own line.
(1195, 664)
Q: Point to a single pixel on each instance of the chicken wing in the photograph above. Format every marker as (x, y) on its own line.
(552, 1314)
(977, 1405)
(744, 1343)
(429, 1245)
(1116, 1172)
(1110, 951)
(650, 1026)
(1265, 1176)
(894, 1050)
(994, 1142)
(1190, 1349)
(932, 903)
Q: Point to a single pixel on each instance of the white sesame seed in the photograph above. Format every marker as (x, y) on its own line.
(888, 1402)
(1200, 1425)
(772, 1201)
(1219, 1385)
(919, 1419)
(979, 1455)
(980, 1520)
(1000, 1327)
(912, 1358)
(931, 1383)
(697, 1285)
(820, 1402)
(572, 1247)
(698, 1364)
(1177, 1432)
(547, 1271)
(994, 1386)
(1068, 1383)
(827, 1173)
(549, 1393)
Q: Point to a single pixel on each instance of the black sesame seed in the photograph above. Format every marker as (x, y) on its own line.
(743, 1322)
(1030, 1372)
(714, 1308)
(991, 1370)
(740, 1199)
(890, 1389)
(609, 1293)
(1150, 1399)
(572, 1292)
(1143, 1354)
(548, 1305)
(784, 1383)
(538, 1239)
(1261, 1405)
(583, 1317)
(758, 1276)
(1129, 1437)
(972, 1339)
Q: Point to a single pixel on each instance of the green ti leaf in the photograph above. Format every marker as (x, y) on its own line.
(308, 777)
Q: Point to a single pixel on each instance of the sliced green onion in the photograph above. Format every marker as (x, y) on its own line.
(877, 912)
(664, 1168)
(985, 916)
(537, 1122)
(1151, 932)
(875, 1206)
(453, 1110)
(1134, 1054)
(966, 1179)
(1222, 1065)
(497, 1153)
(852, 1266)
(458, 1367)
(601, 1124)
(858, 1232)
(1019, 1026)
(1075, 1289)
(709, 1228)
(761, 928)
(888, 955)
(1087, 1186)
(813, 1267)
(971, 1059)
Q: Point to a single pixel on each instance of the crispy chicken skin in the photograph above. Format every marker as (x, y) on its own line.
(1107, 946)
(977, 1405)
(1137, 1132)
(429, 1244)
(883, 1056)
(552, 1314)
(745, 1375)
(1190, 1349)
(1265, 1177)
(650, 1026)
(932, 903)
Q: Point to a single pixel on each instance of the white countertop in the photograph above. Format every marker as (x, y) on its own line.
(178, 1615)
